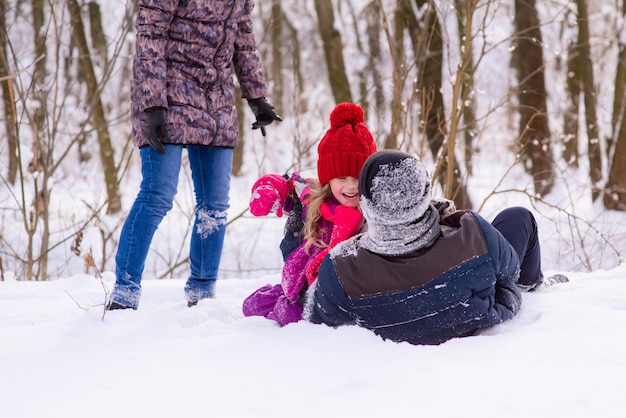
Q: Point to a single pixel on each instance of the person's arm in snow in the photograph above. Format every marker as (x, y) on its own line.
(295, 206)
(508, 295)
(329, 304)
(508, 298)
(294, 235)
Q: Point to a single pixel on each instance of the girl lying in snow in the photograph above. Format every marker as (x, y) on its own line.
(322, 212)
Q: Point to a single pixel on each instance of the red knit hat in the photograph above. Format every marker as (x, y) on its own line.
(346, 145)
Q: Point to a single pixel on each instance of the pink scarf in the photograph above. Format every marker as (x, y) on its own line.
(346, 221)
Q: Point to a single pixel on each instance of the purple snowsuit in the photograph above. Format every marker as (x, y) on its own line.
(282, 302)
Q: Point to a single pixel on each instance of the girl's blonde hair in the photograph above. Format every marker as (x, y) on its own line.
(318, 195)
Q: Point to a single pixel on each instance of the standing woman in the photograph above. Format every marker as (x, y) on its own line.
(183, 96)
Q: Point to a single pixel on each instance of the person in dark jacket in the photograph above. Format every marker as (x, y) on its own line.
(422, 273)
(183, 96)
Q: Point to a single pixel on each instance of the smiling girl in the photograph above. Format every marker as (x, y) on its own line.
(322, 212)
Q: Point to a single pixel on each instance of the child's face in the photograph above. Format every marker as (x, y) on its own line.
(345, 190)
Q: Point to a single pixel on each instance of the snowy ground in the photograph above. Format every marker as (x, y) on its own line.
(562, 356)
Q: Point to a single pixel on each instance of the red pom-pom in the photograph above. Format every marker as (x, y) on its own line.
(346, 113)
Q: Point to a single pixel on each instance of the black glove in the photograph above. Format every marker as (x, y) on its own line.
(294, 224)
(445, 207)
(263, 112)
(155, 128)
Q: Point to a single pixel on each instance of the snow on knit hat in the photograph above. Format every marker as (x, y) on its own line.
(394, 190)
(346, 145)
(396, 185)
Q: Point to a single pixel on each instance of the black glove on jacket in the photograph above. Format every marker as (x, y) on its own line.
(263, 112)
(155, 128)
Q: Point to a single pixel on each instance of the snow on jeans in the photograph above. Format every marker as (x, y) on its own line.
(210, 171)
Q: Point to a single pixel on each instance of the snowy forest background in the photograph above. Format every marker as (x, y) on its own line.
(69, 171)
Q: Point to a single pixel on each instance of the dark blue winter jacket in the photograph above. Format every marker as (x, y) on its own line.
(464, 282)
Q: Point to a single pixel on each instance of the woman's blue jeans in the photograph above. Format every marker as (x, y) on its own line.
(210, 172)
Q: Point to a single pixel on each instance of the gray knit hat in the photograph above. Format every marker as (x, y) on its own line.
(395, 200)
(396, 184)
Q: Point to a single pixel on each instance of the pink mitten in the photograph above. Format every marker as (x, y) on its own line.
(268, 195)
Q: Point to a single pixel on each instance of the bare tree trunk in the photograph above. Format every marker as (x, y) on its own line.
(98, 40)
(363, 75)
(42, 156)
(333, 50)
(570, 118)
(276, 32)
(595, 154)
(428, 53)
(296, 55)
(39, 74)
(373, 16)
(10, 119)
(615, 192)
(399, 74)
(98, 118)
(465, 12)
(8, 99)
(534, 129)
(619, 104)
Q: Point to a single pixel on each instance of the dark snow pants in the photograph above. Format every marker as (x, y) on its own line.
(519, 227)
